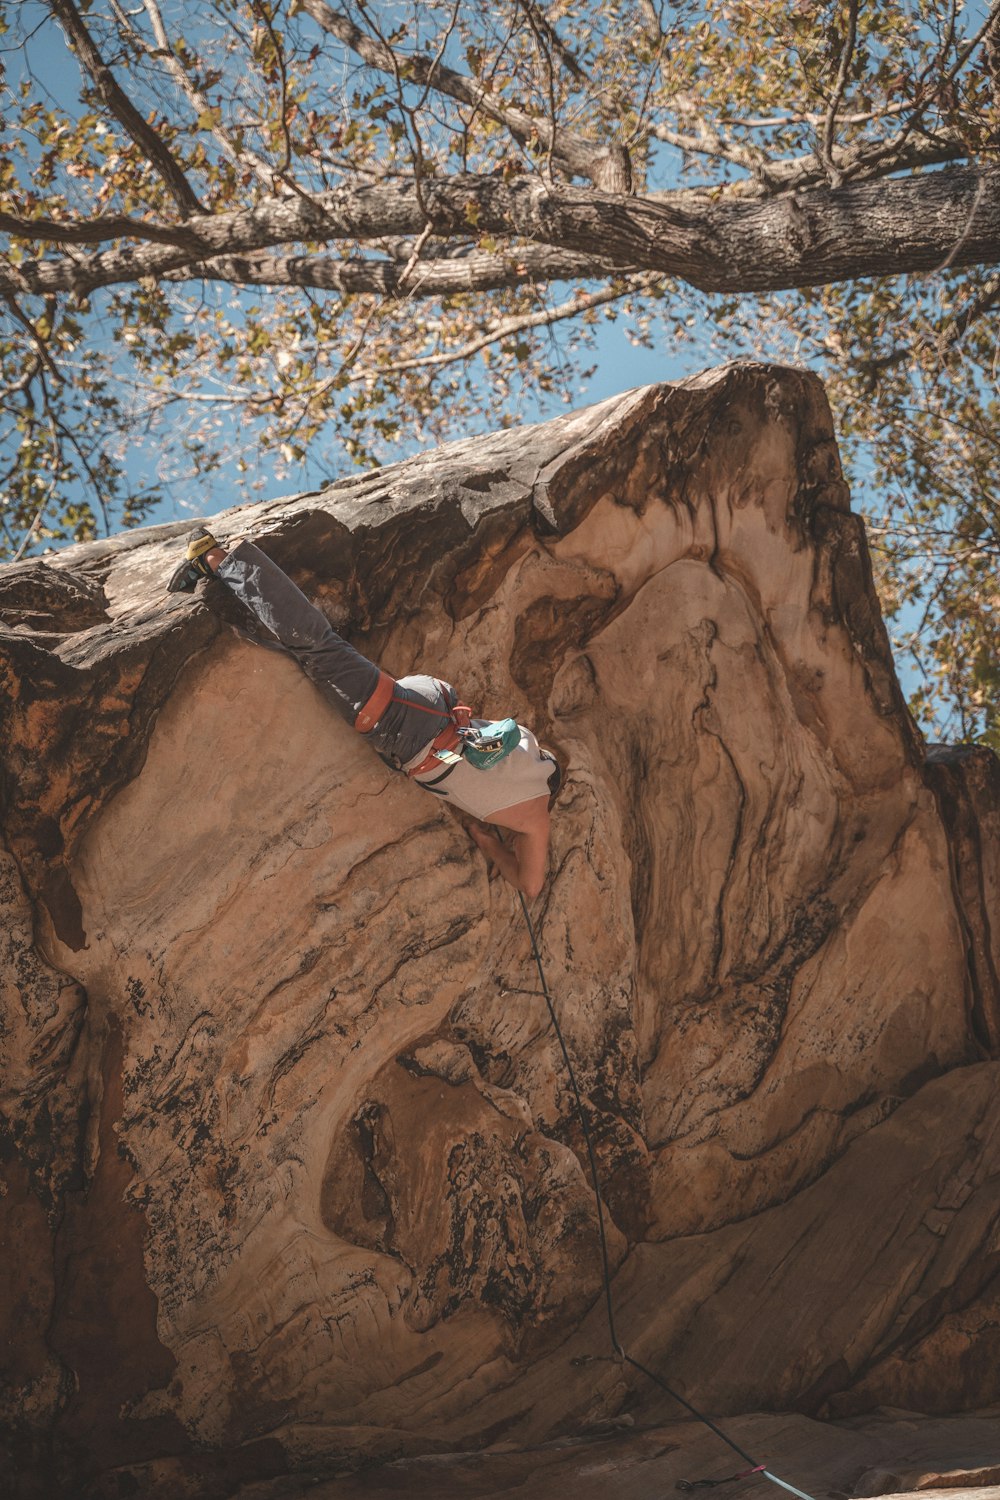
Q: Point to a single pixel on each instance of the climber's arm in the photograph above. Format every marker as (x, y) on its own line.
(523, 863)
(532, 851)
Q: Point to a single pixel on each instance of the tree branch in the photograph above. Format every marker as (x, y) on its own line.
(709, 142)
(92, 231)
(260, 12)
(41, 351)
(882, 228)
(474, 272)
(877, 158)
(543, 48)
(555, 41)
(653, 20)
(544, 318)
(243, 157)
(833, 172)
(507, 328)
(941, 340)
(124, 111)
(27, 375)
(770, 176)
(987, 298)
(579, 155)
(991, 48)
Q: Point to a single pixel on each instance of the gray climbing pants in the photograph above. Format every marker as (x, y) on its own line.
(419, 707)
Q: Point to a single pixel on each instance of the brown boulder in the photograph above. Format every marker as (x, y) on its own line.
(294, 1174)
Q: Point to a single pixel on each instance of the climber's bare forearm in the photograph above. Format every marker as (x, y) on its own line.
(523, 864)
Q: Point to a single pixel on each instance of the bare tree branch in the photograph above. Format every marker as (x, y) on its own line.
(793, 173)
(709, 141)
(576, 153)
(545, 53)
(124, 111)
(833, 172)
(164, 51)
(545, 317)
(261, 12)
(565, 54)
(27, 375)
(653, 19)
(25, 540)
(811, 117)
(36, 338)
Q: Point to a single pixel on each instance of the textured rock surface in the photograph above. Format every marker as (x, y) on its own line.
(293, 1176)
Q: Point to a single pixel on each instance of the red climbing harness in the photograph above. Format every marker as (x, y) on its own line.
(459, 717)
(448, 740)
(369, 713)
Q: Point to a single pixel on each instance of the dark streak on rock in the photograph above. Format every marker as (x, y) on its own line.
(966, 782)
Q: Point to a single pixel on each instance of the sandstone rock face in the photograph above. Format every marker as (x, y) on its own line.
(293, 1171)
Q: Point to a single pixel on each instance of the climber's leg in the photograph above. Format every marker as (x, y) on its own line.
(345, 677)
(418, 710)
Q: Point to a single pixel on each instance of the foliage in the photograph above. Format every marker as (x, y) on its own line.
(266, 236)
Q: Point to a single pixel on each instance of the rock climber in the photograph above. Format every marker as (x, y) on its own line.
(495, 771)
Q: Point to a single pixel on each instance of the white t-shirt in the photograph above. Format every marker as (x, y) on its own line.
(519, 777)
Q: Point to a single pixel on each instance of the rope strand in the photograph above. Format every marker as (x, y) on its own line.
(616, 1343)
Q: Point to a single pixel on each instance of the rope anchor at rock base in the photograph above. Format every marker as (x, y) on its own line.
(616, 1344)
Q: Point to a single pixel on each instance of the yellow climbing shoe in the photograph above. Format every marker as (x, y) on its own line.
(194, 568)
